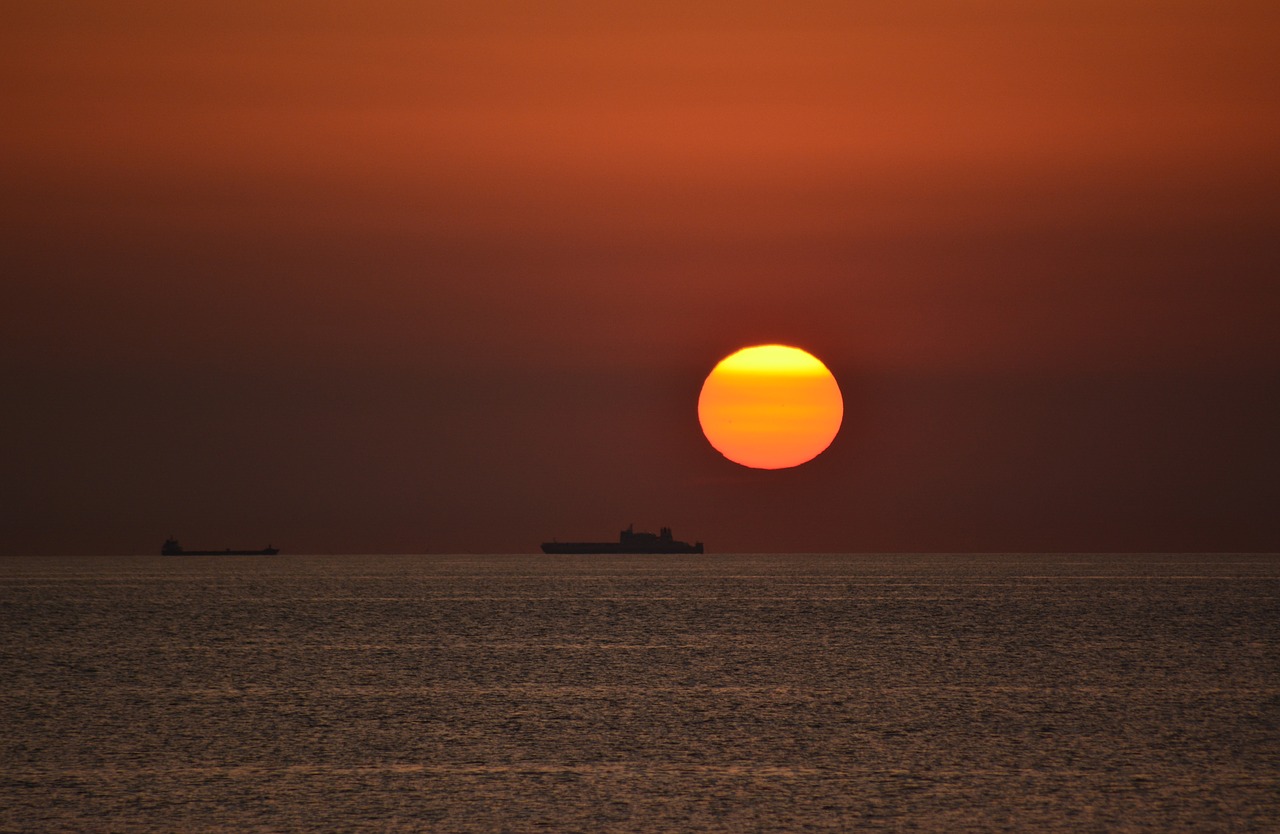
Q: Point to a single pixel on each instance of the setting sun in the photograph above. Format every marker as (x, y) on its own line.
(770, 407)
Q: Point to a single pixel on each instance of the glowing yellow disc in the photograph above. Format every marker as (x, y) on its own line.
(770, 407)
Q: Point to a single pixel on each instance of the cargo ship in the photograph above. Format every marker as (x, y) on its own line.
(628, 541)
(172, 548)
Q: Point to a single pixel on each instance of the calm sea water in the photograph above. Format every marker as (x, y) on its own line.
(716, 693)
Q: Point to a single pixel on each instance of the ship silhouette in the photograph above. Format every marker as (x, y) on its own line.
(628, 541)
(172, 548)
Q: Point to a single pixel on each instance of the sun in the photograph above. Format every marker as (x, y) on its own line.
(770, 407)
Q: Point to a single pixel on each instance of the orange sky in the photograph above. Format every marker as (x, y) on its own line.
(461, 211)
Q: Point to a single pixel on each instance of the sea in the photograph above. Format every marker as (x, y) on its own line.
(734, 693)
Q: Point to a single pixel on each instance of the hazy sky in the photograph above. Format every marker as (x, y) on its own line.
(414, 275)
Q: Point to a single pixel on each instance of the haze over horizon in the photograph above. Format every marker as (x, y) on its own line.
(416, 276)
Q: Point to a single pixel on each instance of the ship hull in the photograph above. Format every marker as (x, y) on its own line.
(270, 551)
(616, 547)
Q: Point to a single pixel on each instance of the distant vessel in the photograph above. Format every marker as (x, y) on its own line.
(628, 541)
(172, 548)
